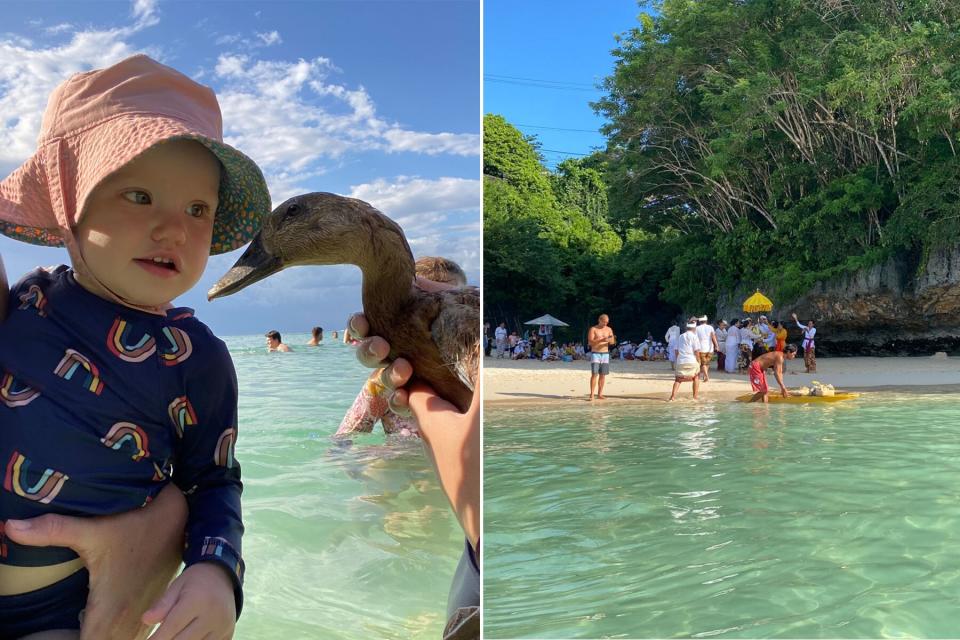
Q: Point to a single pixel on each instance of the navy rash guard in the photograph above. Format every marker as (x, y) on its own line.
(102, 405)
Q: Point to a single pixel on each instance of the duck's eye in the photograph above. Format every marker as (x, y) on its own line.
(137, 197)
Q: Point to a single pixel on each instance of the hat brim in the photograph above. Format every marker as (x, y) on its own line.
(28, 212)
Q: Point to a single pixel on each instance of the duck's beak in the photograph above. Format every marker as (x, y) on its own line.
(254, 265)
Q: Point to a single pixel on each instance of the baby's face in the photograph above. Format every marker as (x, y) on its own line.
(146, 230)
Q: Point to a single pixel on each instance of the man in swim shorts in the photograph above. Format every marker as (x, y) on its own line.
(600, 337)
(757, 372)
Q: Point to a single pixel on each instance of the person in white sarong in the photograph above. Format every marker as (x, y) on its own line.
(732, 347)
(673, 334)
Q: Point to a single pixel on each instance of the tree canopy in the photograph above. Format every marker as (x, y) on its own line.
(750, 143)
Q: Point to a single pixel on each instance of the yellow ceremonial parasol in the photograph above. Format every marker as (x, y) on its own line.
(756, 303)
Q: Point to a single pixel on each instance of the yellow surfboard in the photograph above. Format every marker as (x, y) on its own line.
(776, 397)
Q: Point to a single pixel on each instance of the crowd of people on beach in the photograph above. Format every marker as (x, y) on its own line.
(741, 346)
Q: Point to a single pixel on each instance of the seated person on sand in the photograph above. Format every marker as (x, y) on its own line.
(370, 404)
(520, 351)
(687, 357)
(770, 360)
(317, 336)
(274, 343)
(551, 352)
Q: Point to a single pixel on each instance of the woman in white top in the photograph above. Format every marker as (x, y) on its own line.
(721, 334)
(732, 347)
(809, 347)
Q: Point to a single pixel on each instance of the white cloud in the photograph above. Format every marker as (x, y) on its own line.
(407, 196)
(228, 39)
(270, 38)
(461, 144)
(58, 28)
(145, 13)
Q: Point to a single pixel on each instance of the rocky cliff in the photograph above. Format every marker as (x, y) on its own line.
(904, 306)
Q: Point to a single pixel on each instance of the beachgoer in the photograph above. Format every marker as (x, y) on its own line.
(770, 360)
(708, 345)
(140, 199)
(334, 335)
(768, 334)
(371, 405)
(600, 338)
(809, 346)
(487, 344)
(688, 360)
(274, 342)
(500, 335)
(780, 331)
(316, 337)
(732, 346)
(747, 336)
(721, 344)
(672, 335)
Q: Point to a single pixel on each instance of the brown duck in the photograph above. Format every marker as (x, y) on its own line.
(438, 332)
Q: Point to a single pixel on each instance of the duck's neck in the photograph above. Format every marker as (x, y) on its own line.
(388, 273)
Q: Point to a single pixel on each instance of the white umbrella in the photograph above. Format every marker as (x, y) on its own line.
(548, 319)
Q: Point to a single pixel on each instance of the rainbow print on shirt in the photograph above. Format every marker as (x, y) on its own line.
(72, 363)
(121, 343)
(177, 348)
(43, 490)
(181, 414)
(129, 435)
(14, 393)
(223, 455)
(33, 297)
(215, 547)
(162, 472)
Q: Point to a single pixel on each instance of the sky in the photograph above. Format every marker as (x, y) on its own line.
(542, 62)
(374, 100)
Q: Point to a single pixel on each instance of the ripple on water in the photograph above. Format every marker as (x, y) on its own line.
(723, 520)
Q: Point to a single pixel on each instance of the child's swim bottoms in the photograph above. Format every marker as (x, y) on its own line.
(55, 607)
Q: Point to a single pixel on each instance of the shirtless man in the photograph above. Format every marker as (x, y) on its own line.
(770, 360)
(600, 338)
(274, 342)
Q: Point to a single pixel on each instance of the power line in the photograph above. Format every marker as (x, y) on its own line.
(568, 153)
(534, 126)
(540, 84)
(566, 82)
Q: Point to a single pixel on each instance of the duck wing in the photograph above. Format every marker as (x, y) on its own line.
(456, 332)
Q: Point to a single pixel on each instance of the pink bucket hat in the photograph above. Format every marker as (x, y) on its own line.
(97, 122)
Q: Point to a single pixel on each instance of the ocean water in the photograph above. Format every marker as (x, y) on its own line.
(342, 541)
(724, 520)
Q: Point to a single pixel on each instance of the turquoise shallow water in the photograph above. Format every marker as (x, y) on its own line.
(724, 520)
(341, 541)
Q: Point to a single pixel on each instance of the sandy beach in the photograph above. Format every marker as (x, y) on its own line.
(531, 381)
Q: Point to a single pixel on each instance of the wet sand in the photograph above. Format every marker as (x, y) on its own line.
(508, 382)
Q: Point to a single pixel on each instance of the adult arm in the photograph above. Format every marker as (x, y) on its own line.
(592, 338)
(452, 442)
(778, 374)
(126, 575)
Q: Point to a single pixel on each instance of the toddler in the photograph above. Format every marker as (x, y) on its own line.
(108, 392)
